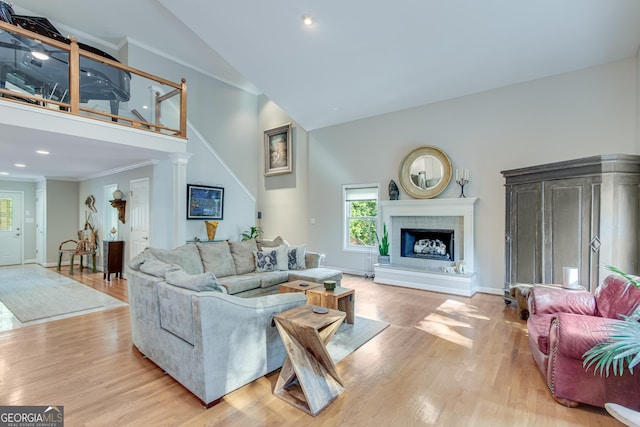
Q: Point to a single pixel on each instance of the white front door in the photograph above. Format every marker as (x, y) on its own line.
(11, 237)
(139, 215)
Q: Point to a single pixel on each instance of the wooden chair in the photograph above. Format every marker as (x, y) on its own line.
(81, 247)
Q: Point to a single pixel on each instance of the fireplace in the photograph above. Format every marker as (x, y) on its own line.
(427, 244)
(418, 220)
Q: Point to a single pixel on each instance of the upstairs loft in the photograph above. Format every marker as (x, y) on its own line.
(41, 67)
(56, 89)
(63, 76)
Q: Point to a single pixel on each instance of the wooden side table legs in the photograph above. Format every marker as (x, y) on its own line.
(308, 362)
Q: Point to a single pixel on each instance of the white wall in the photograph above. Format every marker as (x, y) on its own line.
(638, 102)
(61, 220)
(221, 130)
(283, 199)
(224, 115)
(206, 167)
(563, 117)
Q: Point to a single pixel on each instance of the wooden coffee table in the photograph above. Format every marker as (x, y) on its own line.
(308, 378)
(296, 286)
(342, 299)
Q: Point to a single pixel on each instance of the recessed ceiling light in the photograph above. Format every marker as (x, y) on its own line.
(42, 152)
(307, 20)
(38, 52)
(4, 173)
(20, 165)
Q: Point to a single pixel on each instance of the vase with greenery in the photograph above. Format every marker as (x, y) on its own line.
(252, 233)
(383, 246)
(623, 346)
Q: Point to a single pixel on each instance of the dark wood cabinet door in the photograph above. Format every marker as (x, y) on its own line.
(112, 258)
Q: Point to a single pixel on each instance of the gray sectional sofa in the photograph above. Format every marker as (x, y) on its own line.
(203, 312)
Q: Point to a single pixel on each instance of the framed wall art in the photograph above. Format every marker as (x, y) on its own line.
(205, 202)
(278, 157)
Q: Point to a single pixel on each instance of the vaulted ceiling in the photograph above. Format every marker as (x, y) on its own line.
(362, 58)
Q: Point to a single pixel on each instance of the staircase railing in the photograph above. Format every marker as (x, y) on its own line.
(109, 102)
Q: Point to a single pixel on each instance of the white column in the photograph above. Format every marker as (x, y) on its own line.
(179, 212)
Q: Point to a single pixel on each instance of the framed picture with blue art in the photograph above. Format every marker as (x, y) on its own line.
(204, 202)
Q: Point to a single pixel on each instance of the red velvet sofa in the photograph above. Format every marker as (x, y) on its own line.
(564, 324)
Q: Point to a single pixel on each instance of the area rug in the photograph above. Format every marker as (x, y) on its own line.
(351, 337)
(33, 294)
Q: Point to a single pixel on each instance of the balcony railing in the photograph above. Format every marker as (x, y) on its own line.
(48, 73)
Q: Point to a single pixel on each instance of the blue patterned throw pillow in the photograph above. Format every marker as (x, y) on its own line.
(292, 259)
(298, 263)
(266, 261)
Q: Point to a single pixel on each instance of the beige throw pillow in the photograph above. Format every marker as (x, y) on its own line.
(186, 256)
(243, 258)
(264, 243)
(216, 258)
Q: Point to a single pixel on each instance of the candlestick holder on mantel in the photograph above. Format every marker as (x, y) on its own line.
(462, 179)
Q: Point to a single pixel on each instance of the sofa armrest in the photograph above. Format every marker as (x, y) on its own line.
(217, 314)
(572, 335)
(312, 259)
(266, 302)
(548, 300)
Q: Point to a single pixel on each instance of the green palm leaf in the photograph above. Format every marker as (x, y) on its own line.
(623, 346)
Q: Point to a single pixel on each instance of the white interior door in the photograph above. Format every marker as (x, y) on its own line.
(40, 246)
(139, 215)
(11, 237)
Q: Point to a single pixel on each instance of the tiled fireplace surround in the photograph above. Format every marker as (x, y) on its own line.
(456, 214)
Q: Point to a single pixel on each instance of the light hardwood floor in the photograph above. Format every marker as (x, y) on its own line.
(444, 361)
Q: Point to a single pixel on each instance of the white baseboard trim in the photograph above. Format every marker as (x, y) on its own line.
(491, 291)
(362, 273)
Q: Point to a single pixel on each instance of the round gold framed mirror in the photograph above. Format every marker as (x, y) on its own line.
(425, 172)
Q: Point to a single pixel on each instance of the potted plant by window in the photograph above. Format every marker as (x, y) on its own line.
(383, 246)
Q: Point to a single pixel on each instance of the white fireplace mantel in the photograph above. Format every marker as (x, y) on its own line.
(460, 284)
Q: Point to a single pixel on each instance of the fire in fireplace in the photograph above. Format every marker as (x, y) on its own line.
(427, 244)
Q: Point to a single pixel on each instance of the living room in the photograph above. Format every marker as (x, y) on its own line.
(574, 114)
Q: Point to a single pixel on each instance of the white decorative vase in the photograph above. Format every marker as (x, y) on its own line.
(384, 259)
(118, 195)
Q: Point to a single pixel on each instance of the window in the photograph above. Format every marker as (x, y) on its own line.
(360, 216)
(6, 214)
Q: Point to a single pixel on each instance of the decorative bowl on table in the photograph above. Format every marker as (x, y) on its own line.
(330, 285)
